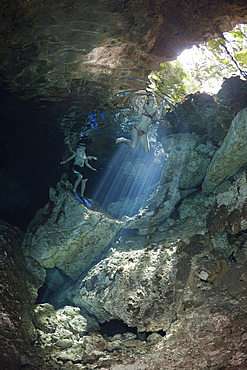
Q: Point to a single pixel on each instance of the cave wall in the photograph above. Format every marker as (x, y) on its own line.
(18, 332)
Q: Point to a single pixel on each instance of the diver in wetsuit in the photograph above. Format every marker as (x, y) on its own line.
(81, 159)
(141, 129)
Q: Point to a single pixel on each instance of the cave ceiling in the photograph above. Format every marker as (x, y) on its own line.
(79, 53)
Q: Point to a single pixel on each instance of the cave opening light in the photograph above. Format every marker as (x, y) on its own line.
(207, 64)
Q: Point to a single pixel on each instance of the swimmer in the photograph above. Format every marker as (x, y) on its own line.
(81, 159)
(141, 129)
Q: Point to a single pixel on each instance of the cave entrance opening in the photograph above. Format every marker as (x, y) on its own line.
(203, 67)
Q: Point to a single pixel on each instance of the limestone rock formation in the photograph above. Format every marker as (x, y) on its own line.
(67, 235)
(189, 156)
(229, 211)
(133, 286)
(195, 291)
(148, 274)
(232, 154)
(18, 332)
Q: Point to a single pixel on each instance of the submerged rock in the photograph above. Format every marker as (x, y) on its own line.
(232, 154)
(133, 286)
(67, 235)
(16, 318)
(189, 156)
(230, 209)
(63, 337)
(56, 326)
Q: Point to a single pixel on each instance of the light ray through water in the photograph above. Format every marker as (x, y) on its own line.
(128, 181)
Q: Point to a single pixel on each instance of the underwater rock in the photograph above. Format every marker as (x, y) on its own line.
(63, 336)
(67, 235)
(124, 205)
(233, 94)
(16, 304)
(65, 323)
(200, 113)
(161, 204)
(188, 158)
(135, 286)
(45, 318)
(230, 209)
(175, 289)
(231, 156)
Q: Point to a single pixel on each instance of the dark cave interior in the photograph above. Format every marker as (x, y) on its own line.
(31, 149)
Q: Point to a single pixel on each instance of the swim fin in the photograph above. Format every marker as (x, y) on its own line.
(86, 202)
(82, 200)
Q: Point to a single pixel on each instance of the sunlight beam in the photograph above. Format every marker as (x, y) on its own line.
(128, 180)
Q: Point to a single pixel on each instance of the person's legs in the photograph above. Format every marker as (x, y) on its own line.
(145, 143)
(83, 186)
(131, 143)
(77, 182)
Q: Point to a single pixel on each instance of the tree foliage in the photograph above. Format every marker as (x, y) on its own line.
(208, 64)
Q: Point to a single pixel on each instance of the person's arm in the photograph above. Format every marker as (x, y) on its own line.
(91, 157)
(161, 107)
(154, 110)
(88, 165)
(68, 159)
(67, 141)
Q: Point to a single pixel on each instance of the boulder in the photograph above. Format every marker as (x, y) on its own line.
(188, 158)
(230, 209)
(135, 286)
(231, 156)
(67, 235)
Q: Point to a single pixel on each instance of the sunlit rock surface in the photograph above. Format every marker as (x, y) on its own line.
(67, 235)
(195, 291)
(232, 154)
(55, 326)
(188, 157)
(135, 287)
(230, 211)
(65, 331)
(161, 204)
(148, 273)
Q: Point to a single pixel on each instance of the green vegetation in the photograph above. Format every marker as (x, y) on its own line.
(203, 67)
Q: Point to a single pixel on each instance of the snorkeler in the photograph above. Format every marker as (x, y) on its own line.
(81, 159)
(141, 129)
